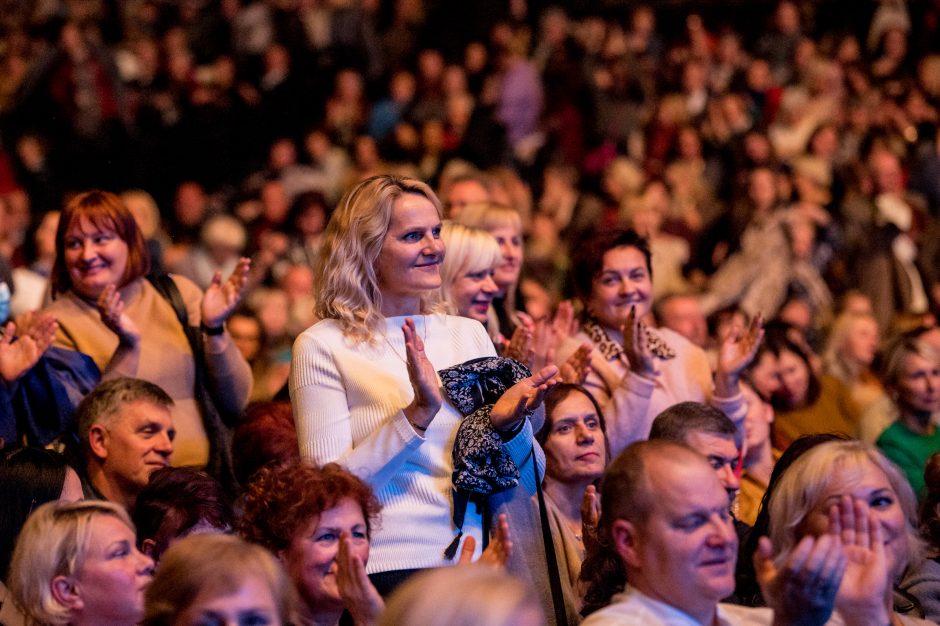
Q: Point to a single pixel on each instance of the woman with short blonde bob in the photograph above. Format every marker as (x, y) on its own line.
(504, 223)
(467, 273)
(208, 578)
(76, 564)
(838, 481)
(364, 383)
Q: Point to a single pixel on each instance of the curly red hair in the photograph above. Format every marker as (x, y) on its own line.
(281, 500)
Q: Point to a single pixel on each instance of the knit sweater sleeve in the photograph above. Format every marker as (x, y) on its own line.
(229, 372)
(325, 422)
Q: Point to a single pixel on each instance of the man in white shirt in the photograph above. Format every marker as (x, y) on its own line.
(666, 516)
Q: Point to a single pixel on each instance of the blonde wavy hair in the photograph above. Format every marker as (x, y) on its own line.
(54, 542)
(347, 283)
(818, 474)
(469, 250)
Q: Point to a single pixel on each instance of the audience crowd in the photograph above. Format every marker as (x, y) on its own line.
(491, 312)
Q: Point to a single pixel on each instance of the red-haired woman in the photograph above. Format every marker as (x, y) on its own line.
(318, 522)
(108, 310)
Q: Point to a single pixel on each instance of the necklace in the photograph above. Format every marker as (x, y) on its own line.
(424, 327)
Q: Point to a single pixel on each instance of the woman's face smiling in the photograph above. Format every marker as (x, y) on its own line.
(472, 293)
(868, 483)
(310, 560)
(623, 282)
(95, 257)
(409, 264)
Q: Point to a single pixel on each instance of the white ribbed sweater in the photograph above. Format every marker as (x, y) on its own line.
(348, 400)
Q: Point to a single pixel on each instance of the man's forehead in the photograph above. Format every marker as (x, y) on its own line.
(676, 479)
(139, 411)
(712, 444)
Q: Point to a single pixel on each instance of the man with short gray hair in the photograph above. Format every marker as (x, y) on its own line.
(126, 432)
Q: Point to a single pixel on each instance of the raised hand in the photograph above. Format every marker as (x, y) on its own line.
(16, 358)
(590, 517)
(636, 347)
(427, 399)
(111, 308)
(221, 298)
(525, 395)
(359, 595)
(520, 345)
(736, 352)
(802, 590)
(864, 589)
(498, 551)
(576, 369)
(544, 344)
(40, 325)
(564, 323)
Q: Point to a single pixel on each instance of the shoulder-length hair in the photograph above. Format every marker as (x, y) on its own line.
(28, 477)
(213, 564)
(468, 250)
(108, 212)
(558, 394)
(54, 542)
(813, 477)
(346, 278)
(835, 361)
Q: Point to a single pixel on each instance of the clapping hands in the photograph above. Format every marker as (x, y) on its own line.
(17, 357)
(221, 298)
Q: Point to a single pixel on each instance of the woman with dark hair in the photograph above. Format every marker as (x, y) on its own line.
(265, 434)
(637, 370)
(575, 443)
(318, 522)
(805, 403)
(29, 477)
(177, 502)
(107, 310)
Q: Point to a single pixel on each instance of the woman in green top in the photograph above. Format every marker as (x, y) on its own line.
(911, 374)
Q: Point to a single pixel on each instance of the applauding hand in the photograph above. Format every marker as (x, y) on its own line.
(802, 590)
(359, 596)
(221, 298)
(498, 551)
(636, 347)
(427, 400)
(17, 357)
(736, 352)
(525, 395)
(111, 308)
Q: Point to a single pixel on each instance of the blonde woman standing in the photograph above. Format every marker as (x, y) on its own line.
(364, 382)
